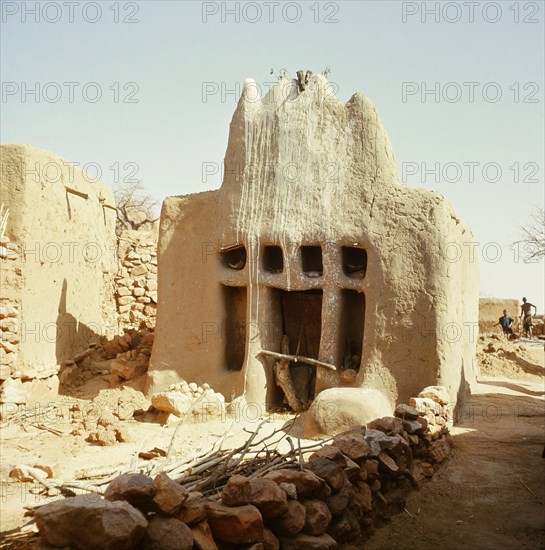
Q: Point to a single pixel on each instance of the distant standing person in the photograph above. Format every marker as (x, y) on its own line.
(526, 316)
(506, 323)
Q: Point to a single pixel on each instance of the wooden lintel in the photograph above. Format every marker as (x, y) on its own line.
(76, 192)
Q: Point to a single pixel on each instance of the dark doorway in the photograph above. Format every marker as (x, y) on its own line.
(302, 323)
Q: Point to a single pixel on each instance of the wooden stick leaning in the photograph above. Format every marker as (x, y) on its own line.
(298, 359)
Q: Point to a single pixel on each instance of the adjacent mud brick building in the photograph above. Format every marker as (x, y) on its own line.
(57, 272)
(312, 237)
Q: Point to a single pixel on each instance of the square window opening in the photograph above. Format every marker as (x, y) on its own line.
(354, 262)
(311, 258)
(234, 257)
(273, 259)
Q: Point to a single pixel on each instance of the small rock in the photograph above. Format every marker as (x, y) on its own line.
(329, 471)
(388, 463)
(371, 466)
(406, 412)
(290, 489)
(237, 491)
(106, 418)
(378, 441)
(307, 483)
(293, 521)
(353, 446)
(151, 285)
(193, 510)
(21, 473)
(167, 534)
(169, 497)
(412, 426)
(425, 404)
(68, 375)
(139, 270)
(172, 402)
(386, 424)
(239, 524)
(121, 434)
(202, 536)
(363, 496)
(318, 517)
(102, 437)
(346, 528)
(352, 470)
(439, 450)
(126, 370)
(137, 489)
(375, 485)
(268, 498)
(427, 469)
(52, 470)
(331, 452)
(5, 372)
(338, 502)
(439, 394)
(270, 542)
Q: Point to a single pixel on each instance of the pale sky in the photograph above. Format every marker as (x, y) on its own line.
(146, 90)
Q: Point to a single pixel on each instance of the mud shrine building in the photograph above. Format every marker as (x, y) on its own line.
(312, 248)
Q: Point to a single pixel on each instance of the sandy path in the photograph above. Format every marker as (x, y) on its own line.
(481, 497)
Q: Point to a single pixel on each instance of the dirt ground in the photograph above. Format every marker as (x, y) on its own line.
(489, 494)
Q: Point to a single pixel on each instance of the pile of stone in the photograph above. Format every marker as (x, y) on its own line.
(191, 398)
(331, 500)
(433, 404)
(136, 281)
(10, 337)
(134, 361)
(130, 353)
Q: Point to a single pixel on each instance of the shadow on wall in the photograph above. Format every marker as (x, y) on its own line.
(463, 396)
(72, 336)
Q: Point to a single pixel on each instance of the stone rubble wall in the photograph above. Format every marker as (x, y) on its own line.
(331, 501)
(10, 320)
(136, 280)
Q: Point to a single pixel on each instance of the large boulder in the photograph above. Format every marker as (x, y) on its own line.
(89, 521)
(335, 410)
